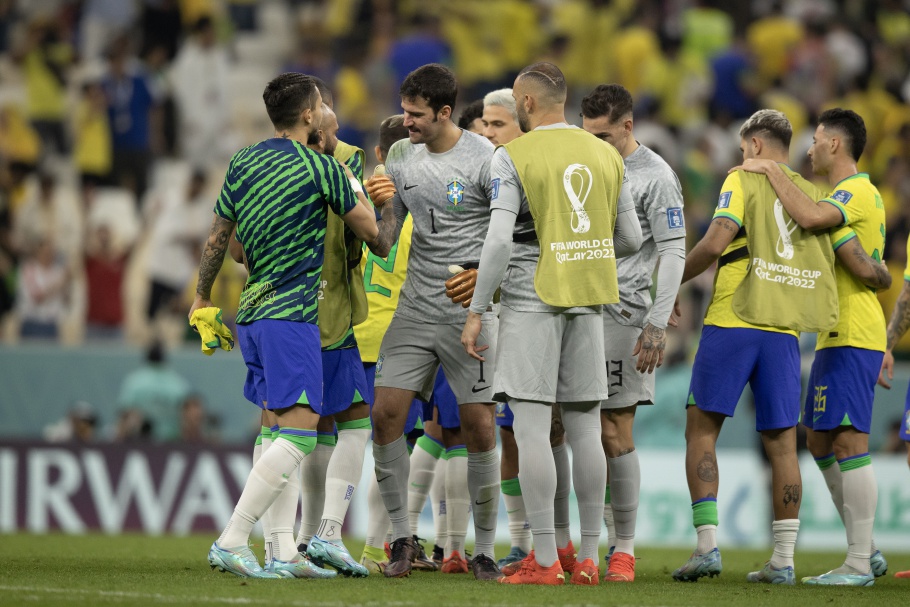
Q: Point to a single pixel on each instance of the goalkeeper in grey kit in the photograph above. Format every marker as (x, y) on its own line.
(441, 175)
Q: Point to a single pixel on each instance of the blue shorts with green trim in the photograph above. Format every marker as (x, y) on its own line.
(842, 388)
(344, 381)
(729, 358)
(283, 362)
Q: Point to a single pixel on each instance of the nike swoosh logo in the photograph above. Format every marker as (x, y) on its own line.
(408, 187)
(475, 389)
(476, 503)
(379, 480)
(511, 511)
(612, 394)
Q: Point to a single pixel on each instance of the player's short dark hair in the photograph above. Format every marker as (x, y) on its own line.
(610, 100)
(548, 77)
(287, 96)
(470, 114)
(848, 123)
(434, 82)
(768, 124)
(391, 130)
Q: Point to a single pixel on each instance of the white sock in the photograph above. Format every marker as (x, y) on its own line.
(483, 486)
(519, 527)
(784, 532)
(561, 501)
(312, 491)
(423, 469)
(860, 501)
(537, 473)
(582, 424)
(378, 523)
(835, 482)
(282, 515)
(458, 501)
(342, 476)
(609, 521)
(438, 500)
(707, 538)
(625, 486)
(265, 521)
(267, 479)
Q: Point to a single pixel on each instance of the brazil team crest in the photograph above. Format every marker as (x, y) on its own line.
(455, 192)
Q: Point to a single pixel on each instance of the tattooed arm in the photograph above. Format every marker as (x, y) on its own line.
(897, 326)
(871, 273)
(212, 258)
(720, 234)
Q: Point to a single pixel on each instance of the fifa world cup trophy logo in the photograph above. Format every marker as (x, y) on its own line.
(784, 242)
(578, 175)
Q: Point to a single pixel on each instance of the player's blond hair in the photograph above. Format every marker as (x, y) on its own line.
(768, 124)
(502, 98)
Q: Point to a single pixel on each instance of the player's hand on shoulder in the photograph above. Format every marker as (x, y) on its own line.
(380, 189)
(754, 165)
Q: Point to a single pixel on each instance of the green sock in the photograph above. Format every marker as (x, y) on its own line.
(510, 487)
(704, 512)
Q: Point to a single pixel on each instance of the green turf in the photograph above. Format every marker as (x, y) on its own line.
(137, 570)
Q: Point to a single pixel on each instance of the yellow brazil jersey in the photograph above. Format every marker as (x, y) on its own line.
(382, 279)
(720, 312)
(907, 269)
(862, 322)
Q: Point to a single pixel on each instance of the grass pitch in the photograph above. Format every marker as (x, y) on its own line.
(138, 570)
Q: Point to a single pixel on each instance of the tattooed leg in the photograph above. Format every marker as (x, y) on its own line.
(702, 430)
(786, 483)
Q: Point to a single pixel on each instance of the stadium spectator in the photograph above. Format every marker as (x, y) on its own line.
(152, 395)
(43, 291)
(105, 270)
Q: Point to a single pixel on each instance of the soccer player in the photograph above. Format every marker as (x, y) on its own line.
(897, 326)
(848, 359)
(471, 118)
(557, 192)
(763, 350)
(275, 194)
(442, 178)
(634, 331)
(335, 470)
(382, 278)
(500, 121)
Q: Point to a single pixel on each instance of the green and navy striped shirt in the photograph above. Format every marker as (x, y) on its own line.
(277, 192)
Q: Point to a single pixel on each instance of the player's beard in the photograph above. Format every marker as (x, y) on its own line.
(523, 122)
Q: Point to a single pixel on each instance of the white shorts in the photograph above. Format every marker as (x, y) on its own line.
(627, 386)
(551, 358)
(412, 351)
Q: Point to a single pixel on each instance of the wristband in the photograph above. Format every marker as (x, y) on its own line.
(355, 185)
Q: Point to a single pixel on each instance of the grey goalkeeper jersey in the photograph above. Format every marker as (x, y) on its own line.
(659, 205)
(448, 196)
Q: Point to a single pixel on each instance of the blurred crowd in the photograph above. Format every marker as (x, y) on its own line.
(118, 117)
(155, 403)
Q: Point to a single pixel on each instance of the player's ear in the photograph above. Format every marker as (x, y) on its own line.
(445, 113)
(378, 151)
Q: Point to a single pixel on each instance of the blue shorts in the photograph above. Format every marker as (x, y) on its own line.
(343, 381)
(905, 421)
(283, 361)
(443, 399)
(504, 416)
(417, 407)
(728, 358)
(842, 388)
